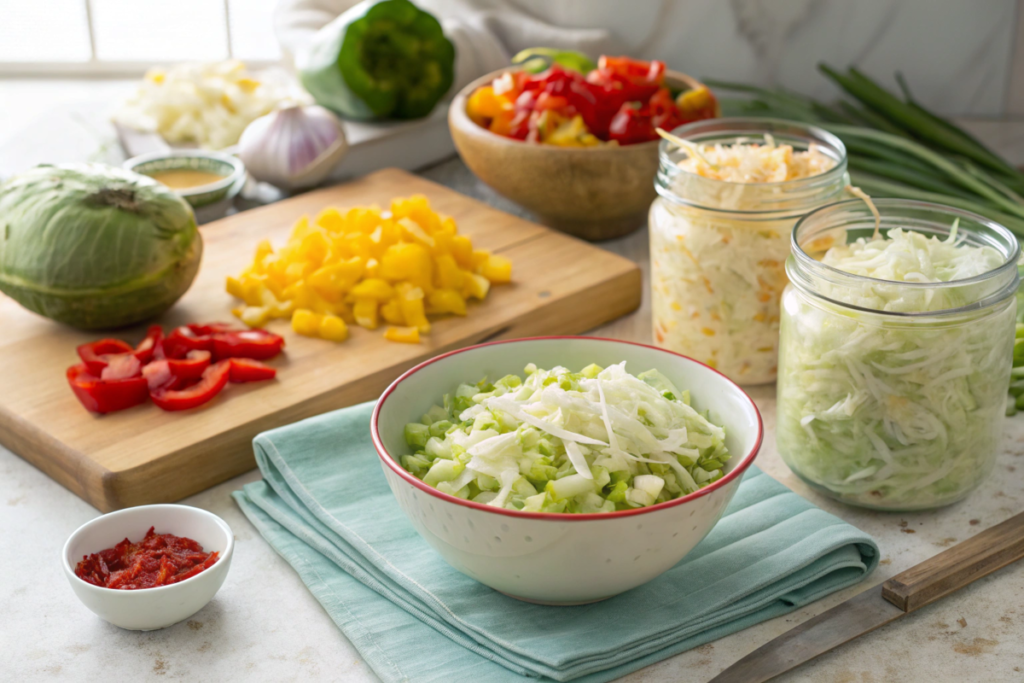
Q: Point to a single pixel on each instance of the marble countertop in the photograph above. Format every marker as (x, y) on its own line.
(264, 624)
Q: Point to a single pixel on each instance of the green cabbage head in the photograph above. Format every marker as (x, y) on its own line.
(95, 246)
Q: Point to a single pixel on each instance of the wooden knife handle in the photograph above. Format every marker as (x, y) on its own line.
(953, 569)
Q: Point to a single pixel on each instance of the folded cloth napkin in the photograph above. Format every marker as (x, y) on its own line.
(326, 508)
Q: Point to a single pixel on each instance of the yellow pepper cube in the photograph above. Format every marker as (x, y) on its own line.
(448, 227)
(344, 311)
(462, 250)
(235, 288)
(497, 269)
(332, 281)
(298, 270)
(359, 244)
(443, 243)
(330, 219)
(314, 247)
(410, 262)
(391, 311)
(406, 335)
(476, 286)
(372, 268)
(300, 229)
(333, 328)
(263, 249)
(447, 301)
(411, 300)
(447, 273)
(372, 288)
(362, 219)
(306, 322)
(365, 312)
(479, 258)
(412, 230)
(254, 316)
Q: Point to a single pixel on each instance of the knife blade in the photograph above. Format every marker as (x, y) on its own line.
(916, 587)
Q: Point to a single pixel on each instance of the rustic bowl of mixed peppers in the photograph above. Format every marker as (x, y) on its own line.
(572, 141)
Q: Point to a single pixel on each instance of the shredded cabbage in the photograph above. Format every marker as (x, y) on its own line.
(717, 277)
(891, 412)
(598, 440)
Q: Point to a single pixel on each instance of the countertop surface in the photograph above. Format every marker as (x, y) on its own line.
(265, 625)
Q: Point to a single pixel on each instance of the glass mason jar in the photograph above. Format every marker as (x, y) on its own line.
(718, 248)
(894, 410)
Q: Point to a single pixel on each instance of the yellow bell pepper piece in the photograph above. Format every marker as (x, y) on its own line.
(497, 269)
(476, 286)
(365, 311)
(411, 300)
(391, 311)
(407, 335)
(447, 301)
(333, 328)
(306, 322)
(448, 274)
(372, 288)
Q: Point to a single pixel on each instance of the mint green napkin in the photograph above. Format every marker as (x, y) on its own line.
(326, 508)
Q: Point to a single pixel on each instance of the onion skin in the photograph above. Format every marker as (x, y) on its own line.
(94, 246)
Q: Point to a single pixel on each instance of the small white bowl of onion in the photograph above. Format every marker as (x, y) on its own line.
(293, 147)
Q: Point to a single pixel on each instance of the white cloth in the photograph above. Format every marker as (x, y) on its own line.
(486, 33)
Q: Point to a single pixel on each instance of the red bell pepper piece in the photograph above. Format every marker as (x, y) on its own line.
(97, 354)
(249, 370)
(256, 344)
(147, 348)
(632, 125)
(214, 328)
(159, 376)
(214, 379)
(106, 396)
(121, 366)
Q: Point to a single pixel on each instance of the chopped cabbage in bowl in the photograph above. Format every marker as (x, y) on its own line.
(598, 440)
(894, 411)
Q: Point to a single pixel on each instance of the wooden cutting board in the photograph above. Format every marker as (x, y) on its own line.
(145, 455)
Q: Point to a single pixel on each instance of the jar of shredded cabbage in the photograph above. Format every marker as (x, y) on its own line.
(719, 235)
(896, 352)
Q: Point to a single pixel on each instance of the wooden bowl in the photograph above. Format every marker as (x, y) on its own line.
(596, 193)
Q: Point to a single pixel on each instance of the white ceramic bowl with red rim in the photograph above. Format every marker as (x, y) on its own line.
(148, 609)
(561, 558)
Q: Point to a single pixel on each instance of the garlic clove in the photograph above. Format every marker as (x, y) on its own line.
(294, 147)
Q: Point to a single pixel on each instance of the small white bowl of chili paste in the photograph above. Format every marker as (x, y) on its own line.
(148, 567)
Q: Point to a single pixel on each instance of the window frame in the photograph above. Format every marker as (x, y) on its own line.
(101, 68)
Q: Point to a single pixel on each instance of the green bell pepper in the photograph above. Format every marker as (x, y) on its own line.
(380, 59)
(537, 59)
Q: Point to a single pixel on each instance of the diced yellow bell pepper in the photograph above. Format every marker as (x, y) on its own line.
(447, 301)
(300, 229)
(409, 262)
(365, 311)
(391, 311)
(330, 219)
(476, 286)
(263, 249)
(372, 288)
(331, 282)
(411, 300)
(372, 268)
(448, 274)
(306, 322)
(407, 335)
(479, 258)
(314, 247)
(497, 269)
(333, 328)
(462, 250)
(413, 230)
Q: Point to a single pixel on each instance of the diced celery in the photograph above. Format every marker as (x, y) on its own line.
(416, 434)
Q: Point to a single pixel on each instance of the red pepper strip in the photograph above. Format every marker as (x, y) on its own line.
(183, 339)
(108, 396)
(121, 366)
(214, 328)
(148, 346)
(191, 367)
(159, 376)
(96, 354)
(256, 344)
(248, 370)
(214, 379)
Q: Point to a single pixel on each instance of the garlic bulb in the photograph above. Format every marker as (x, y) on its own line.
(293, 147)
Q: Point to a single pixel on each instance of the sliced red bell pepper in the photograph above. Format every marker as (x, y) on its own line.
(257, 344)
(121, 366)
(159, 376)
(214, 328)
(106, 396)
(214, 379)
(632, 124)
(147, 348)
(183, 339)
(97, 354)
(249, 370)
